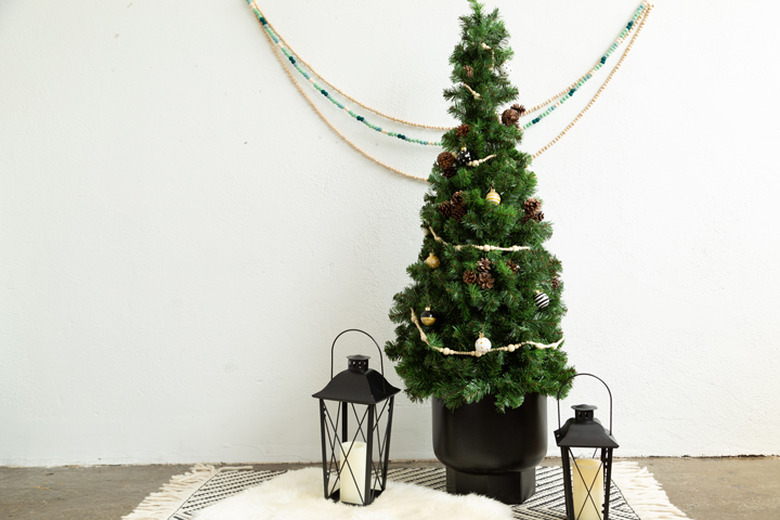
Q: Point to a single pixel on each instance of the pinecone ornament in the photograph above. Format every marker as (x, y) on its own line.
(458, 205)
(469, 277)
(455, 207)
(458, 212)
(469, 71)
(446, 162)
(512, 114)
(457, 199)
(533, 210)
(513, 266)
(485, 280)
(536, 217)
(483, 266)
(555, 283)
(445, 209)
(531, 206)
(462, 130)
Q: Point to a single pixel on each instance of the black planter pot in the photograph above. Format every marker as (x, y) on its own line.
(491, 453)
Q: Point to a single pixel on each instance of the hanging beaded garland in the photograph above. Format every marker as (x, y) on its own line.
(635, 24)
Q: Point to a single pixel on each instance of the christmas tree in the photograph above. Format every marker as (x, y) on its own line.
(482, 316)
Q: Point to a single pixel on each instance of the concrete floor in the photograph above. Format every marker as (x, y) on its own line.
(739, 488)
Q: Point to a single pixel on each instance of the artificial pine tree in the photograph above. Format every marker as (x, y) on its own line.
(489, 288)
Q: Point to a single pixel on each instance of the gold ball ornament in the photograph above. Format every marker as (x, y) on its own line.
(432, 261)
(493, 197)
(427, 318)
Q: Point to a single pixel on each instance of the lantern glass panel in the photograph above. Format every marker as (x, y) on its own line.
(356, 439)
(588, 473)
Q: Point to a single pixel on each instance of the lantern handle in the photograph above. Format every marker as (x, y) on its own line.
(602, 382)
(332, 347)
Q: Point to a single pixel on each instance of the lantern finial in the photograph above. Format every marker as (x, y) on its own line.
(583, 412)
(358, 363)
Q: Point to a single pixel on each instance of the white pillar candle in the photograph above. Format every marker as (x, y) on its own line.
(353, 492)
(590, 476)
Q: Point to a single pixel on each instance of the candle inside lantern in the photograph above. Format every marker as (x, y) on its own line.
(353, 460)
(588, 474)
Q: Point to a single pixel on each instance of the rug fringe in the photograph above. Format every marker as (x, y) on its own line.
(643, 492)
(162, 504)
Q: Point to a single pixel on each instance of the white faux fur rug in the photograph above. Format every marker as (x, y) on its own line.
(297, 495)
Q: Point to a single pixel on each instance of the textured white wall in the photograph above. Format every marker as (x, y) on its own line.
(181, 237)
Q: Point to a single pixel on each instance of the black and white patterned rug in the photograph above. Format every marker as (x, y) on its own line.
(205, 486)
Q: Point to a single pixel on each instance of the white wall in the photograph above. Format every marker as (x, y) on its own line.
(181, 237)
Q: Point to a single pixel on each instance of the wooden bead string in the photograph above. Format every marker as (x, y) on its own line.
(477, 162)
(255, 8)
(474, 93)
(311, 78)
(646, 14)
(475, 353)
(333, 128)
(485, 247)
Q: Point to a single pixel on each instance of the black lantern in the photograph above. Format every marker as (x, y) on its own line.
(356, 415)
(586, 477)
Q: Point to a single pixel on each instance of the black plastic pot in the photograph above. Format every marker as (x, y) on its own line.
(491, 453)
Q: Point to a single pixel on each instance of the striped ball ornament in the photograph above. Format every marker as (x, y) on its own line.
(493, 197)
(541, 300)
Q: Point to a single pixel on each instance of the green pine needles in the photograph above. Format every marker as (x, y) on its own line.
(474, 292)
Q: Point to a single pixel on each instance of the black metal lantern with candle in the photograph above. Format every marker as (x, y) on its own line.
(586, 479)
(356, 416)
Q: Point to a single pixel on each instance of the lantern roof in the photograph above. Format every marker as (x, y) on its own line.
(584, 431)
(358, 384)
